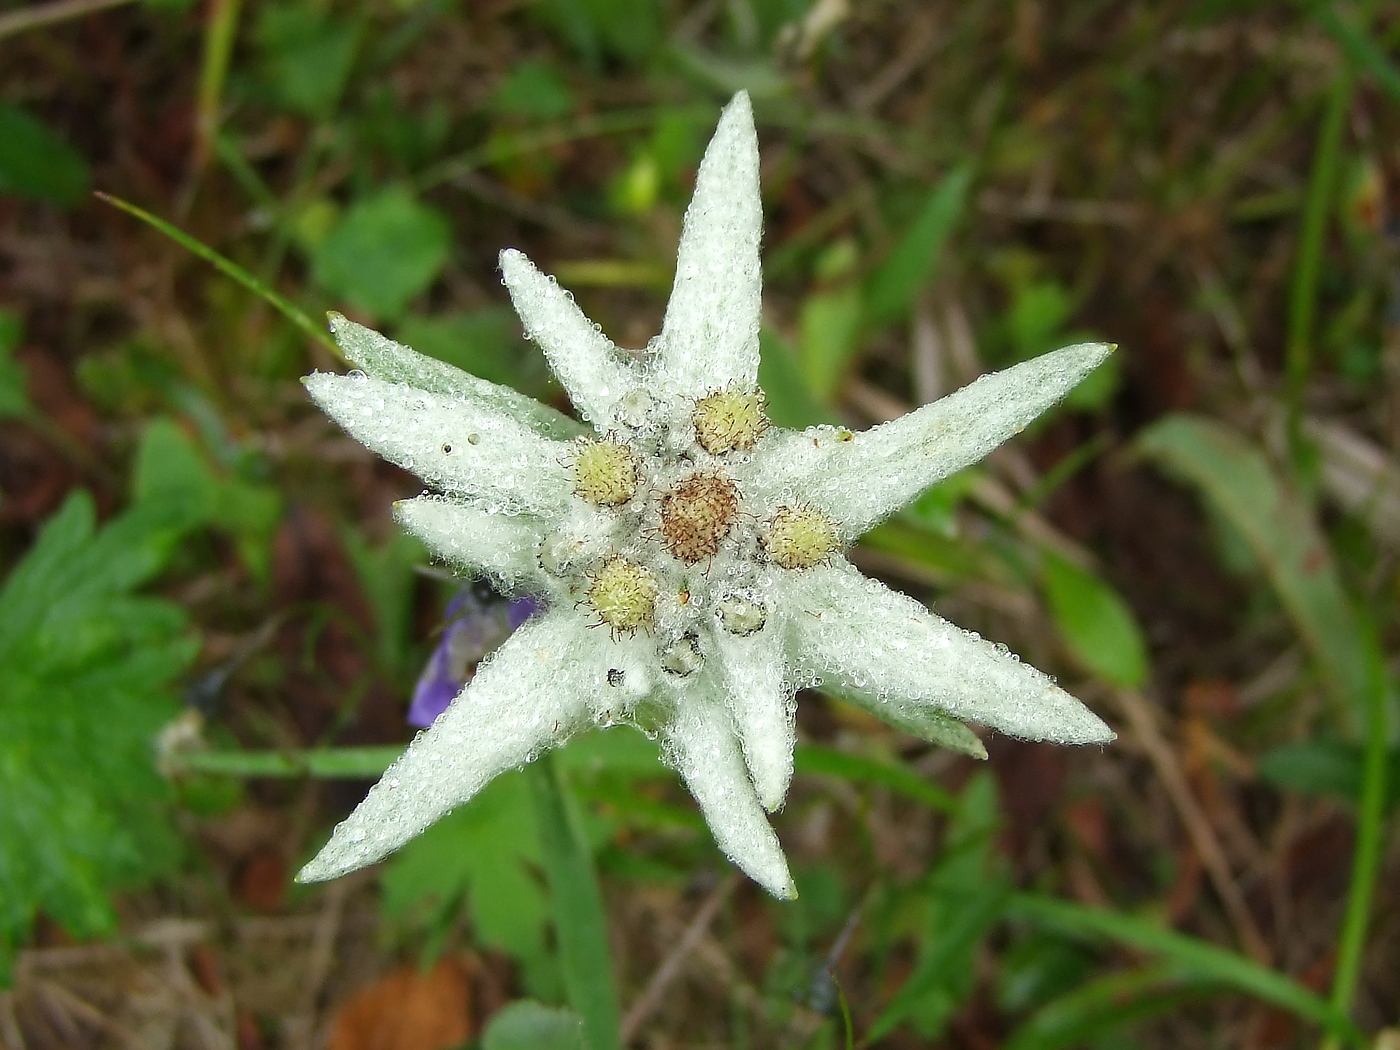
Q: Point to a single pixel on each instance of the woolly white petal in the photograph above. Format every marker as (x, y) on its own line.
(710, 336)
(530, 694)
(700, 744)
(865, 637)
(763, 706)
(461, 445)
(584, 359)
(859, 479)
(385, 359)
(502, 547)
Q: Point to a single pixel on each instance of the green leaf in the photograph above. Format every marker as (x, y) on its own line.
(486, 343)
(36, 164)
(1363, 51)
(791, 402)
(536, 90)
(1235, 479)
(1096, 623)
(817, 760)
(307, 55)
(892, 286)
(387, 576)
(1326, 767)
(86, 675)
(171, 472)
(14, 381)
(387, 249)
(599, 29)
(478, 860)
(965, 894)
(829, 335)
(528, 1025)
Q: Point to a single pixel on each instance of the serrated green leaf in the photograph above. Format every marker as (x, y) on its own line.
(386, 250)
(86, 668)
(478, 860)
(386, 574)
(171, 472)
(36, 164)
(1096, 623)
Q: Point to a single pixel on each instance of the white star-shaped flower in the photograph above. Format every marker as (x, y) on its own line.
(687, 555)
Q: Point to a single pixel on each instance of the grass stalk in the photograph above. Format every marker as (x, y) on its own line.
(231, 269)
(579, 919)
(1302, 300)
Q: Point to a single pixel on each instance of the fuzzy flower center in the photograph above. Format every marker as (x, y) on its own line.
(665, 541)
(697, 514)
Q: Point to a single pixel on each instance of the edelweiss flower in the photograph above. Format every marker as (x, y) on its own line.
(686, 555)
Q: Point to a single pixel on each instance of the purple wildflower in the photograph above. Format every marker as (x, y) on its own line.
(477, 621)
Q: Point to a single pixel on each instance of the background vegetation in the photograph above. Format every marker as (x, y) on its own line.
(1202, 544)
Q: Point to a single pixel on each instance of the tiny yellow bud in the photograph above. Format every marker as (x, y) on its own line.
(623, 595)
(729, 420)
(604, 472)
(800, 537)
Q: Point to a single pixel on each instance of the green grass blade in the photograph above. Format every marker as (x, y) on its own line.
(229, 268)
(1234, 477)
(814, 759)
(579, 919)
(895, 282)
(1360, 49)
(1102, 1006)
(1193, 960)
(1302, 301)
(1237, 481)
(327, 763)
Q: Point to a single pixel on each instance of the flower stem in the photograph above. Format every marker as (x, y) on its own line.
(579, 920)
(1302, 304)
(1370, 825)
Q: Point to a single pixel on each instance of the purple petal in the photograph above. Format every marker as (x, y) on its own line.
(475, 625)
(520, 610)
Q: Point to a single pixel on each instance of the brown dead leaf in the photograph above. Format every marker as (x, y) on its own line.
(408, 1010)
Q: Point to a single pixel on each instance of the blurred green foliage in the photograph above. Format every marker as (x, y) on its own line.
(87, 667)
(36, 164)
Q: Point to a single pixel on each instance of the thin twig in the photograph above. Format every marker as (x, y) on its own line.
(318, 963)
(670, 967)
(51, 14)
(1198, 827)
(10, 1035)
